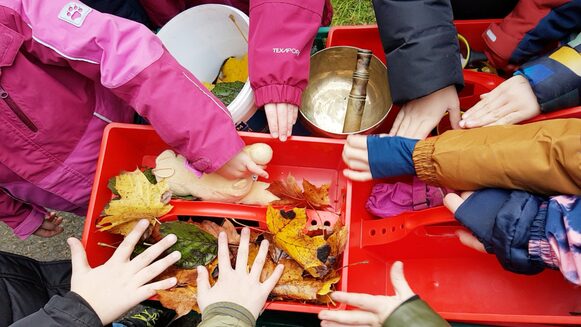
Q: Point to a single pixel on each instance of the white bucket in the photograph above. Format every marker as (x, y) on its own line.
(201, 38)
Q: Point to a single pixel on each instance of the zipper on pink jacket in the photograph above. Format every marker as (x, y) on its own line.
(16, 110)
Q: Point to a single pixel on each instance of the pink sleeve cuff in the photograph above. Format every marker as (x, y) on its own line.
(278, 93)
(30, 224)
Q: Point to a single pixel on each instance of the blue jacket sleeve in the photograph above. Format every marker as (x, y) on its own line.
(556, 78)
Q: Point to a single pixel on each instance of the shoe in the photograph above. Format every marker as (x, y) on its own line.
(148, 317)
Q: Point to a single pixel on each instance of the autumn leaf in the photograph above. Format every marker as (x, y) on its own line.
(291, 195)
(327, 285)
(309, 252)
(196, 246)
(180, 299)
(338, 240)
(215, 229)
(184, 276)
(139, 199)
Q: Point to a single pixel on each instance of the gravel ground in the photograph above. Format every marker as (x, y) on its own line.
(43, 249)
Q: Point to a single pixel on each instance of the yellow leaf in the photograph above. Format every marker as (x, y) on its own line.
(338, 240)
(235, 70)
(139, 199)
(290, 237)
(327, 284)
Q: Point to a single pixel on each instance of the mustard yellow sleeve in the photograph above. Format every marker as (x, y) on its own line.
(542, 157)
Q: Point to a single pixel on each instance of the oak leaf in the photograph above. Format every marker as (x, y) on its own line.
(138, 199)
(291, 195)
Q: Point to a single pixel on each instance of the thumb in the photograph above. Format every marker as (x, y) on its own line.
(78, 256)
(454, 117)
(399, 282)
(470, 241)
(453, 201)
(256, 169)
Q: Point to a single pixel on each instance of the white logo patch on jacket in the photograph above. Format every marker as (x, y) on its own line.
(75, 13)
(294, 51)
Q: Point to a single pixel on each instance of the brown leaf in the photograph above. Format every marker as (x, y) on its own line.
(180, 299)
(338, 240)
(183, 276)
(291, 195)
(215, 229)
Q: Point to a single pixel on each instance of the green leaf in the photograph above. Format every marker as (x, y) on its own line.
(150, 176)
(185, 197)
(198, 248)
(227, 91)
(111, 185)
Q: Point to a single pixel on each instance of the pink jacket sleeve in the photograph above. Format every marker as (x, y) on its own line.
(281, 35)
(22, 218)
(129, 60)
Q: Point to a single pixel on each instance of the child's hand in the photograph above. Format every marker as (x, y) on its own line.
(241, 166)
(511, 102)
(453, 201)
(51, 226)
(281, 118)
(373, 309)
(121, 283)
(238, 285)
(356, 158)
(417, 118)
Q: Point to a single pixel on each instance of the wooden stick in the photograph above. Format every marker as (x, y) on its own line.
(238, 27)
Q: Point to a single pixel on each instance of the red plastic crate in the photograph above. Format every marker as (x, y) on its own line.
(367, 37)
(126, 147)
(460, 283)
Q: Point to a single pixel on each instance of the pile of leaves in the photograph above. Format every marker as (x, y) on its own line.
(312, 263)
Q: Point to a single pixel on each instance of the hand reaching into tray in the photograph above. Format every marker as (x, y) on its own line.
(281, 119)
(238, 285)
(121, 283)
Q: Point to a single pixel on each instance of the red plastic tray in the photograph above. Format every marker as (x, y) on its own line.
(460, 283)
(125, 147)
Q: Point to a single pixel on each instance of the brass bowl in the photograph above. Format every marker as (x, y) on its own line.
(325, 100)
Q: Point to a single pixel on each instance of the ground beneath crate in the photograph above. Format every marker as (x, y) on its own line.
(43, 249)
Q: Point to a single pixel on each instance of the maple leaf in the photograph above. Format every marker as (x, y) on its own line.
(139, 199)
(338, 239)
(180, 299)
(292, 195)
(309, 252)
(196, 246)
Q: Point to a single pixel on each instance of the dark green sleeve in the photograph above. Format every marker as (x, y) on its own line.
(227, 314)
(415, 313)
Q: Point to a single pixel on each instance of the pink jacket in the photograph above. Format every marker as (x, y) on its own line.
(65, 72)
(281, 36)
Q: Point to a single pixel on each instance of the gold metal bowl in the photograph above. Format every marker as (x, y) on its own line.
(325, 100)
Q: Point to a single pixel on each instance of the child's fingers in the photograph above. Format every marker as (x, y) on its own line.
(454, 114)
(281, 112)
(360, 300)
(290, 119)
(397, 122)
(295, 114)
(78, 256)
(466, 195)
(203, 282)
(400, 284)
(270, 111)
(149, 290)
(126, 247)
(329, 323)
(242, 256)
(150, 272)
(223, 254)
(353, 153)
(453, 201)
(470, 241)
(255, 169)
(259, 261)
(357, 141)
(358, 176)
(153, 252)
(349, 318)
(270, 283)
